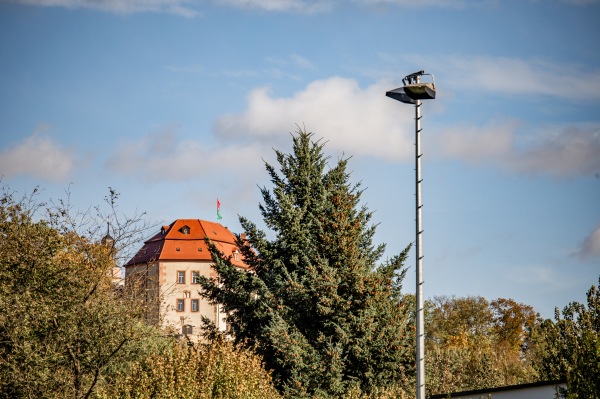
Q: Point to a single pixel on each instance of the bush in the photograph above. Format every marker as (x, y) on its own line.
(216, 370)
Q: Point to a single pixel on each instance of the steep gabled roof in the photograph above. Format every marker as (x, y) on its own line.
(183, 240)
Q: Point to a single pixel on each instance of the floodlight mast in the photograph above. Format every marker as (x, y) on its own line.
(420, 355)
(412, 93)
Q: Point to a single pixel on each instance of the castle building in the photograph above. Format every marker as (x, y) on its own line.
(166, 269)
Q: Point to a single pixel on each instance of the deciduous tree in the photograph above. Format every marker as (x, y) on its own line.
(472, 343)
(63, 326)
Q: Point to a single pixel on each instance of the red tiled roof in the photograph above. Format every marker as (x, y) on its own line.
(183, 240)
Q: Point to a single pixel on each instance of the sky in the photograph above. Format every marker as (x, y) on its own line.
(175, 103)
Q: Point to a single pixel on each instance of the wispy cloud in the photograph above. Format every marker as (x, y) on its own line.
(581, 2)
(461, 3)
(418, 4)
(38, 156)
(163, 156)
(508, 76)
(568, 151)
(183, 8)
(590, 247)
(476, 144)
(303, 6)
(563, 151)
(191, 8)
(294, 60)
(301, 62)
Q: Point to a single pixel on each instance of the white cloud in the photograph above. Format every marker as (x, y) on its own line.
(189, 8)
(352, 119)
(569, 151)
(164, 157)
(581, 2)
(38, 156)
(591, 245)
(557, 151)
(490, 143)
(416, 4)
(363, 122)
(186, 8)
(178, 7)
(304, 6)
(460, 3)
(508, 76)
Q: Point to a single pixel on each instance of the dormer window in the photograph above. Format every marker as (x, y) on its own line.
(185, 230)
(236, 255)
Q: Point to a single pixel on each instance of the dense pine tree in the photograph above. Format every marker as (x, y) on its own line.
(315, 303)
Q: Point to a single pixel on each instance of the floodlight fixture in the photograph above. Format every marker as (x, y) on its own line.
(414, 89)
(399, 94)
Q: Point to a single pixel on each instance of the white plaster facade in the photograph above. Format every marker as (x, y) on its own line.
(163, 271)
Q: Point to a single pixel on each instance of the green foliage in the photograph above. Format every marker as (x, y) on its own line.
(209, 371)
(569, 347)
(314, 304)
(472, 343)
(63, 326)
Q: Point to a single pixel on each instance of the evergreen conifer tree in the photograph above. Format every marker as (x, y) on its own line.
(315, 303)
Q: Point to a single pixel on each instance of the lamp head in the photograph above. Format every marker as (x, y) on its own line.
(400, 94)
(414, 89)
(420, 91)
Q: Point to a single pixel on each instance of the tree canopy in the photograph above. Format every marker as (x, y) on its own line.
(569, 347)
(472, 343)
(63, 326)
(315, 303)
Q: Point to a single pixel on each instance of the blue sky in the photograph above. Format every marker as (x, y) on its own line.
(174, 103)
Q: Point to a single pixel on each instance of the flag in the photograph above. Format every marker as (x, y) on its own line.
(219, 217)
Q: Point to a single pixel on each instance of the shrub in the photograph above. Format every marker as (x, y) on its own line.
(215, 370)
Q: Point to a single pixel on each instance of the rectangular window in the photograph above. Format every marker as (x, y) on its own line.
(195, 277)
(187, 329)
(195, 305)
(180, 277)
(180, 305)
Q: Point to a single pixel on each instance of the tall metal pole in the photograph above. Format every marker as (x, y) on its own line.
(412, 93)
(419, 250)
